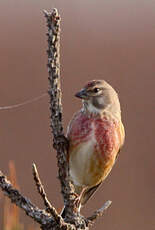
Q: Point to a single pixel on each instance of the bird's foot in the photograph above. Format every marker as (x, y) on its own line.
(78, 199)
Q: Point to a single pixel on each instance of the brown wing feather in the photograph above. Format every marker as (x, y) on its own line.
(90, 191)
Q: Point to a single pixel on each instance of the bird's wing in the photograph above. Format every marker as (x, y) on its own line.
(90, 191)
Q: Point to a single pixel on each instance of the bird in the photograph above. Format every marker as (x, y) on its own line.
(96, 135)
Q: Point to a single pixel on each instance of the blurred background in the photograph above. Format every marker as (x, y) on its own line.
(111, 40)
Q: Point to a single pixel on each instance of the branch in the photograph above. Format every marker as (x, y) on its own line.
(49, 208)
(59, 140)
(100, 211)
(51, 220)
(40, 216)
(16, 197)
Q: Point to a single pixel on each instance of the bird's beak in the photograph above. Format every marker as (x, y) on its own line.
(82, 94)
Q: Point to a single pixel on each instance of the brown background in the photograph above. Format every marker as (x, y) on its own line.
(112, 40)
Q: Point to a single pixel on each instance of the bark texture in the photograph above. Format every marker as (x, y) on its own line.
(50, 219)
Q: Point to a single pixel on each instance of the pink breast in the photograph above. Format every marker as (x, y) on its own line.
(80, 129)
(84, 128)
(105, 133)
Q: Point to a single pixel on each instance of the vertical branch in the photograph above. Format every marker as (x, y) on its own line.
(59, 140)
(53, 24)
(52, 220)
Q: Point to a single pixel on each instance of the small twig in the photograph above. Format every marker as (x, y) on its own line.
(40, 216)
(49, 208)
(100, 211)
(16, 197)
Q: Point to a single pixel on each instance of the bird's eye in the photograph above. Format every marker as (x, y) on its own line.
(96, 90)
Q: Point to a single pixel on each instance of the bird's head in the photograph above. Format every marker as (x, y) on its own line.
(98, 97)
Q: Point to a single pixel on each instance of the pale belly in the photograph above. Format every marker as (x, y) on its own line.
(87, 166)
